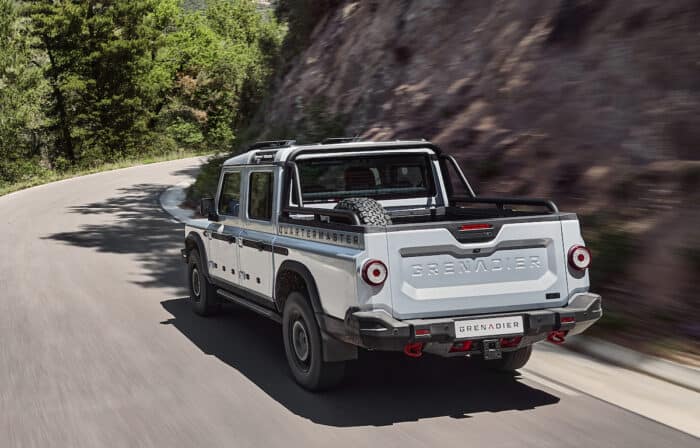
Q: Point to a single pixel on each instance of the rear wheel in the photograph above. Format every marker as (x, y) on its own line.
(203, 297)
(512, 360)
(303, 346)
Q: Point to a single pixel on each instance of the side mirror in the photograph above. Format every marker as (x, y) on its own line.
(206, 208)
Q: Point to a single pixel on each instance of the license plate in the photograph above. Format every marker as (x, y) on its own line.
(495, 326)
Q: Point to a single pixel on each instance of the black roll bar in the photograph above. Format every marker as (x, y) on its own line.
(460, 173)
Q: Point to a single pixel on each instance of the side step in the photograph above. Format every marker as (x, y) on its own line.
(270, 314)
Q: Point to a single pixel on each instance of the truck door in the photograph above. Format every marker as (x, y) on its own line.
(255, 244)
(223, 250)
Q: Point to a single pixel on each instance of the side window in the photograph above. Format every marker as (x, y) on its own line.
(260, 196)
(230, 199)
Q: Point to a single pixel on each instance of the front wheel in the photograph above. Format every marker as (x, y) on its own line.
(303, 347)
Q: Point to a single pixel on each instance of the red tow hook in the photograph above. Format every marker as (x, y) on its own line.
(557, 337)
(413, 350)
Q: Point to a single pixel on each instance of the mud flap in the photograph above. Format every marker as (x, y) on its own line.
(335, 350)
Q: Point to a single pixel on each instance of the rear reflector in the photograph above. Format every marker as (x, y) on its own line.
(463, 346)
(468, 227)
(422, 332)
(511, 342)
(568, 320)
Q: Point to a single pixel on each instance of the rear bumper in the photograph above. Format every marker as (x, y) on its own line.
(377, 330)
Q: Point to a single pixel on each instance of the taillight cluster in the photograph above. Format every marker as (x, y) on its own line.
(374, 272)
(579, 258)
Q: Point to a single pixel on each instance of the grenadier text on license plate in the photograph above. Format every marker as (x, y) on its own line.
(497, 326)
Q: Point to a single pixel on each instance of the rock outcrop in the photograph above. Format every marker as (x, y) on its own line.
(595, 103)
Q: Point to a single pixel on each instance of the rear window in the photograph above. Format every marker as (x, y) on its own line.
(380, 177)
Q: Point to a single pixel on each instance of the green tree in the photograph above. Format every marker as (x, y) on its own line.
(224, 57)
(88, 82)
(105, 82)
(22, 92)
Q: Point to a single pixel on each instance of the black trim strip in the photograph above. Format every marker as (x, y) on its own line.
(259, 245)
(280, 250)
(263, 311)
(223, 237)
(319, 212)
(246, 293)
(266, 247)
(330, 225)
(458, 252)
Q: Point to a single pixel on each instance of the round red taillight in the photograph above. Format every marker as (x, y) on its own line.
(374, 272)
(579, 258)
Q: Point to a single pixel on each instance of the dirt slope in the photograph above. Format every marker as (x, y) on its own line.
(594, 103)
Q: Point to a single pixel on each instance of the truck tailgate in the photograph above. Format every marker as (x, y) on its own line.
(449, 271)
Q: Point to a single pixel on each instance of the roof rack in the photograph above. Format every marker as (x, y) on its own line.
(271, 144)
(380, 146)
(333, 140)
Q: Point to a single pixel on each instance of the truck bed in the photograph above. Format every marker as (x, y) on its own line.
(484, 264)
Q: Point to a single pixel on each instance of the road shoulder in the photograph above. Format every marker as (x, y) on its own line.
(655, 399)
(171, 201)
(672, 372)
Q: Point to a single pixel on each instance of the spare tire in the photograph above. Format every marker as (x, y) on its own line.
(369, 211)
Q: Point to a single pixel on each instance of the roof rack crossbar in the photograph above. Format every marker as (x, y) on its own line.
(271, 144)
(333, 140)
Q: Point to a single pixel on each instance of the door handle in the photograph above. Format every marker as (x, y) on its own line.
(259, 245)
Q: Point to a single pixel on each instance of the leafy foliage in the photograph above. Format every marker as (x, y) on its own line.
(207, 180)
(22, 90)
(223, 59)
(88, 83)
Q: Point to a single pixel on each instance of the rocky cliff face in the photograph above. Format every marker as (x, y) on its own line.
(595, 103)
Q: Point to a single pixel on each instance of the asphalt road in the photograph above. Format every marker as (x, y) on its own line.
(98, 347)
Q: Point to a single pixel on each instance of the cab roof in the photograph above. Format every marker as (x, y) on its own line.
(284, 151)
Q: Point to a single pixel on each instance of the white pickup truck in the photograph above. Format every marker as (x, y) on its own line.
(385, 246)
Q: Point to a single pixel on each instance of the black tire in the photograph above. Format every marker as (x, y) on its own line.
(512, 361)
(303, 346)
(203, 297)
(370, 211)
